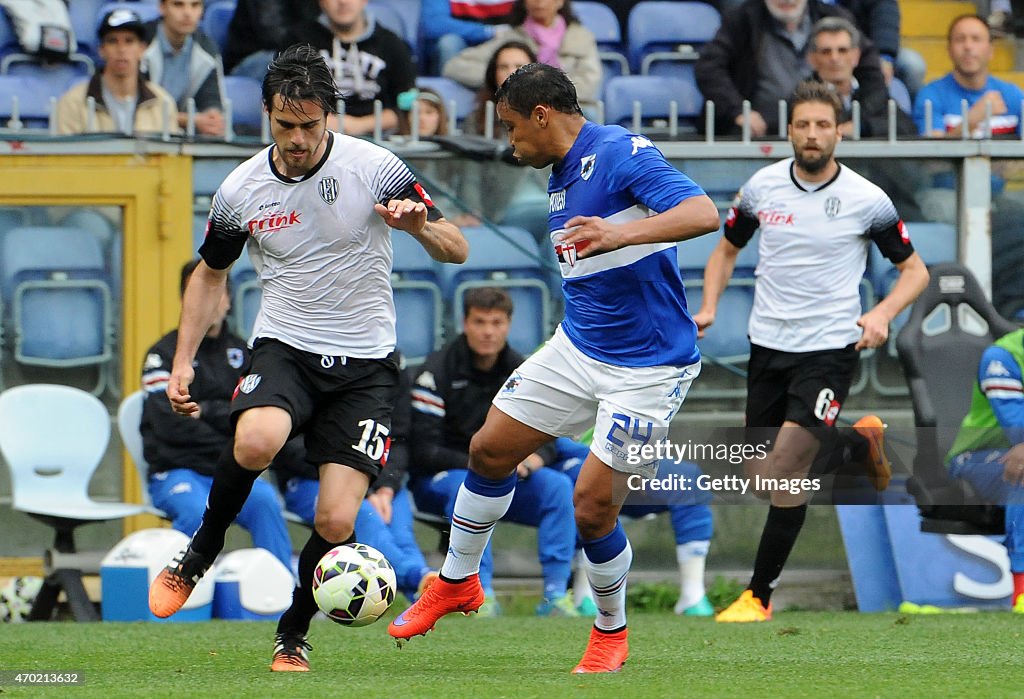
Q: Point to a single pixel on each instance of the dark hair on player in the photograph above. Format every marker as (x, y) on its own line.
(300, 73)
(535, 84)
(487, 298)
(815, 91)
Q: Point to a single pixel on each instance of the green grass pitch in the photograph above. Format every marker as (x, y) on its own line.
(799, 654)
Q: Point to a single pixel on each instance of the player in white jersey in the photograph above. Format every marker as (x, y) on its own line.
(315, 210)
(623, 357)
(817, 219)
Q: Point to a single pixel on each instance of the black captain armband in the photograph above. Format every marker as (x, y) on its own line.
(415, 191)
(219, 250)
(893, 241)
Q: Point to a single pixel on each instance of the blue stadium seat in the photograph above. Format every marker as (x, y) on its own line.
(530, 212)
(216, 18)
(245, 294)
(209, 173)
(419, 308)
(33, 100)
(85, 18)
(246, 95)
(604, 25)
(669, 31)
(58, 76)
(721, 179)
(513, 262)
(60, 298)
(655, 95)
(392, 16)
(450, 91)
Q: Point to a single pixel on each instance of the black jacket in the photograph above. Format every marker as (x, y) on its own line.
(879, 20)
(260, 25)
(171, 441)
(450, 400)
(727, 70)
(385, 66)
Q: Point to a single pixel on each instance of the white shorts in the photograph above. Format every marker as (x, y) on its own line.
(563, 392)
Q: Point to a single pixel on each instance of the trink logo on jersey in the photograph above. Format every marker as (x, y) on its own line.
(775, 218)
(273, 221)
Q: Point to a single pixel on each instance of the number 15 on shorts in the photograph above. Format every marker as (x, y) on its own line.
(375, 440)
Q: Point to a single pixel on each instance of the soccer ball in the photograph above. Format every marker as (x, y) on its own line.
(354, 584)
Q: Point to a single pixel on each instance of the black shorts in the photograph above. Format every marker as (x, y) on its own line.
(342, 405)
(807, 388)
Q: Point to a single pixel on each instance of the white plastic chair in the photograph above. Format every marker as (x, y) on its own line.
(53, 438)
(129, 418)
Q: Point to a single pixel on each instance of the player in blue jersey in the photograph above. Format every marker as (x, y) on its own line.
(624, 356)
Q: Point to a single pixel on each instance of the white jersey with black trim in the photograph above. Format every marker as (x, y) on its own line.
(812, 253)
(321, 253)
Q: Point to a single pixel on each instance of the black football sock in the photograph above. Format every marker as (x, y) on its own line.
(780, 533)
(297, 617)
(231, 487)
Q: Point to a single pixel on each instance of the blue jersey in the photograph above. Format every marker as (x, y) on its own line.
(626, 307)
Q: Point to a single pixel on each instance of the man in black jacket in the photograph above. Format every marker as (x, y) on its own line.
(369, 62)
(759, 54)
(833, 54)
(182, 452)
(451, 395)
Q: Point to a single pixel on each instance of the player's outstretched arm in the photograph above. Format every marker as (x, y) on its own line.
(690, 218)
(875, 323)
(442, 239)
(198, 311)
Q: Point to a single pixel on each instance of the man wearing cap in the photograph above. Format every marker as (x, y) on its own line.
(125, 102)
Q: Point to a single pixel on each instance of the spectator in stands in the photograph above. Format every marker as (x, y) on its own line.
(506, 58)
(384, 520)
(879, 20)
(759, 54)
(125, 101)
(451, 396)
(988, 451)
(185, 62)
(555, 34)
(449, 27)
(369, 62)
(258, 29)
(969, 43)
(834, 52)
(182, 452)
(431, 111)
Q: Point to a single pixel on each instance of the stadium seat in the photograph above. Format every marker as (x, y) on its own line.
(726, 343)
(392, 15)
(720, 178)
(508, 258)
(950, 326)
(209, 173)
(604, 25)
(419, 307)
(216, 18)
(450, 91)
(53, 438)
(59, 298)
(530, 212)
(246, 95)
(8, 37)
(655, 95)
(129, 420)
(85, 19)
(669, 31)
(33, 98)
